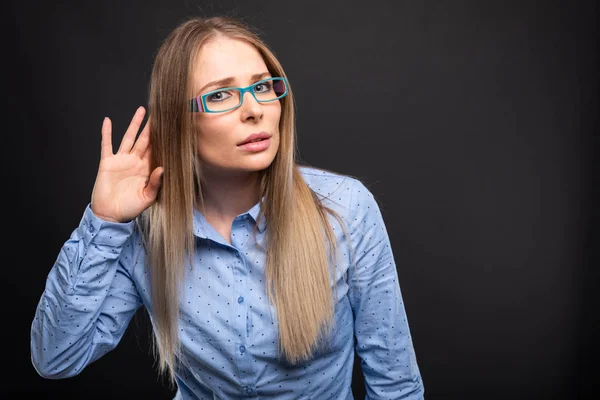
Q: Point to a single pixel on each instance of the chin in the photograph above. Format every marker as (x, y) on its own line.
(258, 166)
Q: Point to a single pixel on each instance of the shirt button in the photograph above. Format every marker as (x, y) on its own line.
(240, 299)
(91, 228)
(242, 348)
(248, 389)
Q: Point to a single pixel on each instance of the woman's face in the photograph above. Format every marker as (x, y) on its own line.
(220, 133)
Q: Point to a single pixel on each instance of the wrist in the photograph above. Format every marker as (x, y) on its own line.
(104, 217)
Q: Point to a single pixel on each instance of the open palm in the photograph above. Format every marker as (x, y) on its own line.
(125, 186)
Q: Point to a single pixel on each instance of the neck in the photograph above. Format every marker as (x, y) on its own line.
(227, 195)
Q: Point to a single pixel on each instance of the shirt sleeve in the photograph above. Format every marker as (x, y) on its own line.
(383, 340)
(88, 300)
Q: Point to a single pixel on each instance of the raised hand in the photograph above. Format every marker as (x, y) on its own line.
(125, 186)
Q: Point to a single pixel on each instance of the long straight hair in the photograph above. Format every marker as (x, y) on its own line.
(301, 247)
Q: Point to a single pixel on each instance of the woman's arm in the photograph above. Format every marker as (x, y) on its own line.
(384, 343)
(88, 301)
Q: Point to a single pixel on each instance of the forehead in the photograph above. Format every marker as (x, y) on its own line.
(224, 57)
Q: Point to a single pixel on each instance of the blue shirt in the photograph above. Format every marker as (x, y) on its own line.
(228, 326)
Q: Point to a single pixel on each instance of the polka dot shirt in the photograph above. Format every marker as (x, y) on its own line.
(228, 327)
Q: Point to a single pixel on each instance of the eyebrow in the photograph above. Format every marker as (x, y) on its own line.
(227, 81)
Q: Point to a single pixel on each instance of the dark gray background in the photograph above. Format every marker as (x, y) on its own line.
(473, 123)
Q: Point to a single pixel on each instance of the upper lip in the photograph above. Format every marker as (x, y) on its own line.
(260, 135)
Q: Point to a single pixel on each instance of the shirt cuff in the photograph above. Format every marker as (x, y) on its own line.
(93, 228)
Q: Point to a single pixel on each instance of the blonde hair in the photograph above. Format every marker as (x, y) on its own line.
(301, 245)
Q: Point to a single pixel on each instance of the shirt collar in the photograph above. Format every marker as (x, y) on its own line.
(253, 212)
(200, 223)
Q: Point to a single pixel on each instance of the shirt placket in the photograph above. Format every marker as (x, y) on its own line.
(241, 316)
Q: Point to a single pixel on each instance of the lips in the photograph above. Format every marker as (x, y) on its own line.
(255, 137)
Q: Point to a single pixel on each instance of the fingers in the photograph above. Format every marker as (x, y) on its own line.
(132, 130)
(106, 144)
(141, 144)
(147, 155)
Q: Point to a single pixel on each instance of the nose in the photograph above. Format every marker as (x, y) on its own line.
(250, 108)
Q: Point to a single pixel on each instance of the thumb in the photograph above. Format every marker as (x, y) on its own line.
(155, 182)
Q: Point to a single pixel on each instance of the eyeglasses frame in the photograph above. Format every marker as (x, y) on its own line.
(198, 103)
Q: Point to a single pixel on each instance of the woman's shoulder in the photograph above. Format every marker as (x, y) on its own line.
(321, 179)
(333, 186)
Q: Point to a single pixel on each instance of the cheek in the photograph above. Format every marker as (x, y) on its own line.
(212, 143)
(213, 131)
(274, 115)
(276, 119)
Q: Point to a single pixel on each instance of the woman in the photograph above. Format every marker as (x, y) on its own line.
(257, 272)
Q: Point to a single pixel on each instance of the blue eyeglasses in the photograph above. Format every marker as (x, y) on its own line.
(230, 98)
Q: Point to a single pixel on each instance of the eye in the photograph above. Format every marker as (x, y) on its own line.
(218, 96)
(263, 87)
